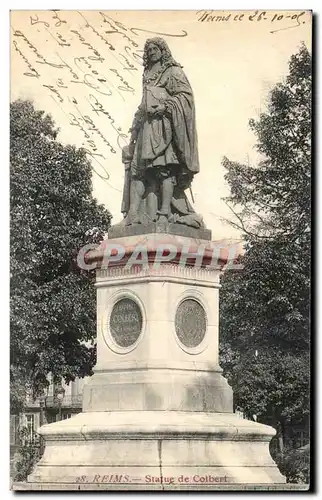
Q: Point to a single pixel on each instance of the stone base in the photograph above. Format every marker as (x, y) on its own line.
(120, 230)
(153, 390)
(142, 449)
(23, 486)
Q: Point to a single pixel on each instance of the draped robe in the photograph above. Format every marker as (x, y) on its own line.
(170, 139)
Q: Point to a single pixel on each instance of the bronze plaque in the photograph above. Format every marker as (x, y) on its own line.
(126, 322)
(190, 323)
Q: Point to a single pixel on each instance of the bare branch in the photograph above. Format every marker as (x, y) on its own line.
(241, 225)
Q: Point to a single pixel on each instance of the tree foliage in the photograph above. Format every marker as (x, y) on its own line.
(296, 465)
(274, 195)
(265, 306)
(53, 214)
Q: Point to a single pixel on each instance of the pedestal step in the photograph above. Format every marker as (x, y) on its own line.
(153, 448)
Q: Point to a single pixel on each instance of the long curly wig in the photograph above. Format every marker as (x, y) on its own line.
(166, 56)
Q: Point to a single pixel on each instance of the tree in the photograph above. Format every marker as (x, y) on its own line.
(274, 195)
(265, 306)
(53, 214)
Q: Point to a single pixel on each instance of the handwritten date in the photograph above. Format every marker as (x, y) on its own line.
(255, 16)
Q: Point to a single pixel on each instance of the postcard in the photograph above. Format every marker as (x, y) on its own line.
(160, 166)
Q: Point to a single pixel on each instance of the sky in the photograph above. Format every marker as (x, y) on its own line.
(84, 68)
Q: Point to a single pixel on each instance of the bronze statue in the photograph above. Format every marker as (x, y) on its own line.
(162, 157)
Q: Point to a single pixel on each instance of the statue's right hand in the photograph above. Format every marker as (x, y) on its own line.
(128, 152)
(134, 134)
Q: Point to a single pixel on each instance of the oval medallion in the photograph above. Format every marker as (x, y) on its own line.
(190, 323)
(125, 322)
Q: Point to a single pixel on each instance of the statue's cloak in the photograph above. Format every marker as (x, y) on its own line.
(172, 137)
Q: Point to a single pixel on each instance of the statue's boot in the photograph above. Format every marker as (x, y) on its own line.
(136, 194)
(132, 219)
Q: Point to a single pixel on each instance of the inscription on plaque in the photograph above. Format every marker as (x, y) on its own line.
(125, 322)
(190, 323)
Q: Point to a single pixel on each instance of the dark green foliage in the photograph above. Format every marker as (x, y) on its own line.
(265, 307)
(53, 214)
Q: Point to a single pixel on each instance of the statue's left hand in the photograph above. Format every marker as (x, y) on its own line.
(159, 110)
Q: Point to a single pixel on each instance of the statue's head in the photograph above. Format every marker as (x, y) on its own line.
(156, 49)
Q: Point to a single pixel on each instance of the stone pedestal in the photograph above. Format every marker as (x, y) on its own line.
(157, 409)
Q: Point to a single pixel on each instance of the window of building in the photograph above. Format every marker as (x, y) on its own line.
(30, 426)
(50, 417)
(65, 416)
(14, 429)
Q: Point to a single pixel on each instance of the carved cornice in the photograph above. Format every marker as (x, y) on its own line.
(164, 272)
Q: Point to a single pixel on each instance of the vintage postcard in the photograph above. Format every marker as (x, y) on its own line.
(160, 166)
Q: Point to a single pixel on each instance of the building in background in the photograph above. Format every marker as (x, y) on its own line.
(46, 410)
